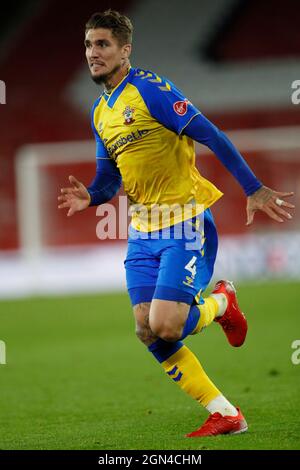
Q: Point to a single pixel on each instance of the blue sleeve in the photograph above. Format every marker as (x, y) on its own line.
(203, 131)
(164, 101)
(100, 148)
(106, 183)
(108, 180)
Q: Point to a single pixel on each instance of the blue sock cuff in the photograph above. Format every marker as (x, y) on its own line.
(191, 321)
(162, 350)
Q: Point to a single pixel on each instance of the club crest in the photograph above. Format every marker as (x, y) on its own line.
(128, 115)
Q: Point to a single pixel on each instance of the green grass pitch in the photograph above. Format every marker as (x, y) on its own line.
(77, 378)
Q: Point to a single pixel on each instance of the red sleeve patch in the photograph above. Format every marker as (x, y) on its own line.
(180, 107)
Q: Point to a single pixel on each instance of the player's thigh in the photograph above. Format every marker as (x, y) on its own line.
(176, 288)
(141, 272)
(186, 266)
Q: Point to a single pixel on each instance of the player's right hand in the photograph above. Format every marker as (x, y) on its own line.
(75, 198)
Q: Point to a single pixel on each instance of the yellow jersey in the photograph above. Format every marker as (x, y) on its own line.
(140, 126)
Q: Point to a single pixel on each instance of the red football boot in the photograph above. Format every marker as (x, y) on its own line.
(233, 321)
(217, 424)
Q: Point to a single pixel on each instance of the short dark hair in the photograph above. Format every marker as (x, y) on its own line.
(120, 25)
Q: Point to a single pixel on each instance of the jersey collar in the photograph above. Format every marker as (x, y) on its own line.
(115, 93)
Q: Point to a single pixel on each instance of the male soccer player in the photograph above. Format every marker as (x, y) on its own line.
(145, 131)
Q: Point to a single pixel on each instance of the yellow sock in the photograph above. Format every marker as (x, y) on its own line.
(208, 312)
(185, 369)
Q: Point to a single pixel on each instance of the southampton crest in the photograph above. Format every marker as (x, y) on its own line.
(128, 115)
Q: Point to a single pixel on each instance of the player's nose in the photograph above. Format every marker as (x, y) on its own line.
(93, 53)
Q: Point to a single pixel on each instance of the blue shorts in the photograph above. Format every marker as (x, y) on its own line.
(165, 265)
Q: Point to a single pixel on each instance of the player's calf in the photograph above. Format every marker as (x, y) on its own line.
(142, 328)
(145, 335)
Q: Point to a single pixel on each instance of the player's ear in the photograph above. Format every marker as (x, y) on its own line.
(126, 51)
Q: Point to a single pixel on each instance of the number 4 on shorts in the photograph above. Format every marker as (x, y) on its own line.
(191, 266)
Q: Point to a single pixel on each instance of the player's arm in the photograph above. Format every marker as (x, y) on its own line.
(169, 106)
(104, 186)
(259, 197)
(106, 183)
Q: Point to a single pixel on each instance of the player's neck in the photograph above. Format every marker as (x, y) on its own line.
(117, 77)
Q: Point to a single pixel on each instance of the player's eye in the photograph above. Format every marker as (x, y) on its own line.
(102, 44)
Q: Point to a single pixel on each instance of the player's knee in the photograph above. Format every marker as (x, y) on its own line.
(166, 330)
(167, 319)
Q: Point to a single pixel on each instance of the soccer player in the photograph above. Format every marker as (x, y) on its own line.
(145, 130)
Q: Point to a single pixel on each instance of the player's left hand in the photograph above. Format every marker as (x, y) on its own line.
(269, 201)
